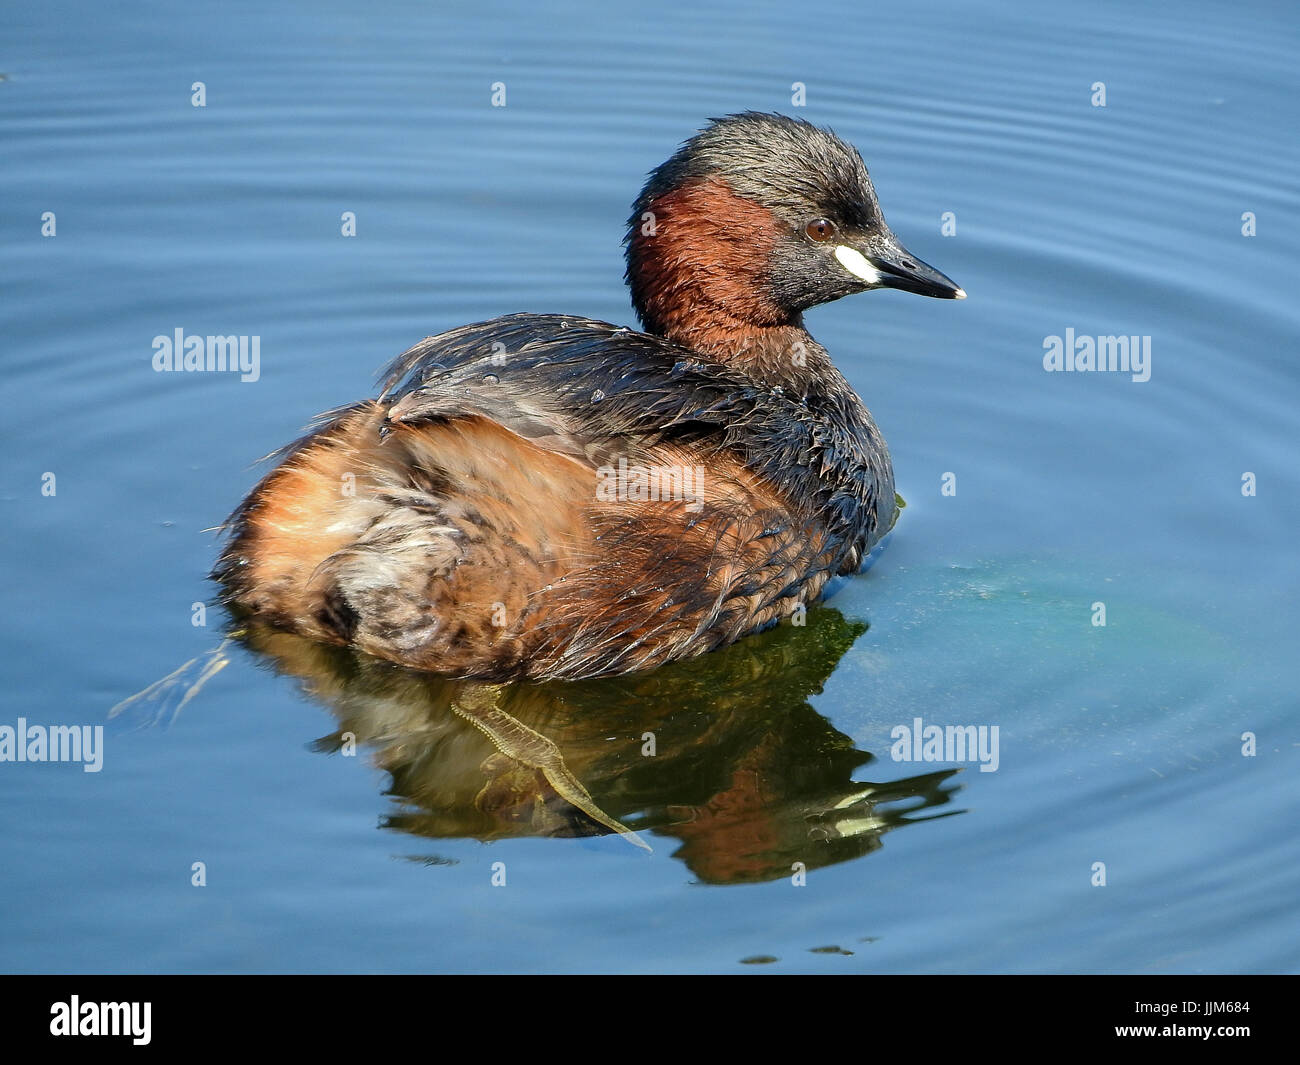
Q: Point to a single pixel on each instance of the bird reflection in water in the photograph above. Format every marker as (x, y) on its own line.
(722, 752)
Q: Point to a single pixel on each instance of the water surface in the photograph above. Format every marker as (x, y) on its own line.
(1119, 744)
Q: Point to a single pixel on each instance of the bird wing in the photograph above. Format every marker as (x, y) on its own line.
(581, 388)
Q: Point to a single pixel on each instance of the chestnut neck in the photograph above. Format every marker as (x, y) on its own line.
(698, 258)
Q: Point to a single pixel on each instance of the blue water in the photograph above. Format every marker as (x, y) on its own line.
(1120, 744)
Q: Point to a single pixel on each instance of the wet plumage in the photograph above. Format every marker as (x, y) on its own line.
(456, 523)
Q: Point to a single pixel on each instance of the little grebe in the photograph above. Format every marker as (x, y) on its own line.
(541, 496)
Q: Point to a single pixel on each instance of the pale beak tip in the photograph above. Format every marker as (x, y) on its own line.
(960, 294)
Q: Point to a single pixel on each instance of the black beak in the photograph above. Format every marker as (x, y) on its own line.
(900, 269)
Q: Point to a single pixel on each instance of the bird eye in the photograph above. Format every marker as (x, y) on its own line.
(820, 229)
